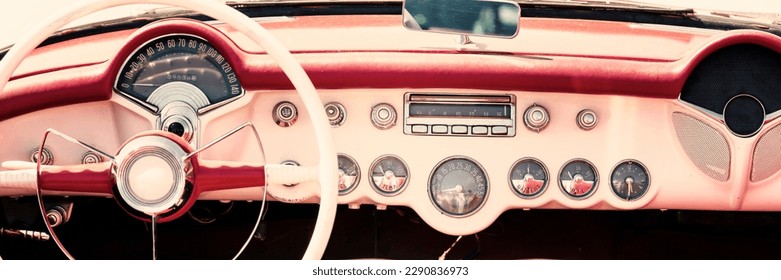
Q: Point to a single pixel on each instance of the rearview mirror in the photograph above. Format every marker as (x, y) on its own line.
(491, 18)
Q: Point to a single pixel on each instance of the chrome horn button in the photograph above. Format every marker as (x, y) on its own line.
(151, 174)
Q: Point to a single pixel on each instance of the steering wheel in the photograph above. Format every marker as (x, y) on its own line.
(171, 158)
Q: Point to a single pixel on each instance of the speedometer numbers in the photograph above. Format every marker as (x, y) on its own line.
(630, 180)
(578, 179)
(458, 186)
(528, 178)
(178, 58)
(388, 175)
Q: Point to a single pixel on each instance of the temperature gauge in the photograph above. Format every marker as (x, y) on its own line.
(458, 186)
(388, 175)
(349, 174)
(578, 179)
(630, 180)
(528, 178)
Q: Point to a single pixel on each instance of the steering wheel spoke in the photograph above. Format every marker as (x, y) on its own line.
(221, 175)
(84, 179)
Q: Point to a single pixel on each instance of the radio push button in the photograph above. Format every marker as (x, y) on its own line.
(439, 129)
(420, 128)
(499, 130)
(459, 129)
(480, 130)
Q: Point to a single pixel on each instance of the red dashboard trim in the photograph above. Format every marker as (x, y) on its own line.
(565, 72)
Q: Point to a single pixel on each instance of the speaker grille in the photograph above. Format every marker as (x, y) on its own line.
(705, 146)
(767, 159)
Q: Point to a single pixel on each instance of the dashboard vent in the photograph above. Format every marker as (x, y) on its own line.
(767, 155)
(705, 146)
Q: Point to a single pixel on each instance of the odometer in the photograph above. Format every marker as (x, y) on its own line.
(178, 58)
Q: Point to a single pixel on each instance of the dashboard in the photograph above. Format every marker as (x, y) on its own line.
(565, 116)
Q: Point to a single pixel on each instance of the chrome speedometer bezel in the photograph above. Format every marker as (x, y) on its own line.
(154, 109)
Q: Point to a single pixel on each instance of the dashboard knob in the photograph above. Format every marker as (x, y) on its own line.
(176, 128)
(336, 114)
(383, 116)
(536, 118)
(179, 125)
(587, 119)
(47, 158)
(90, 158)
(285, 114)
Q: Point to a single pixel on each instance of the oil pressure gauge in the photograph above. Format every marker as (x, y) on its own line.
(578, 179)
(458, 186)
(349, 174)
(528, 178)
(630, 180)
(388, 175)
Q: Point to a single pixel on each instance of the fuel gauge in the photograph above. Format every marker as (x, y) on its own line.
(528, 178)
(578, 179)
(630, 180)
(388, 175)
(349, 174)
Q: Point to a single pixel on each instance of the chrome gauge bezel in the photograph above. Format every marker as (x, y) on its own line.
(443, 211)
(371, 178)
(647, 173)
(357, 174)
(593, 188)
(544, 169)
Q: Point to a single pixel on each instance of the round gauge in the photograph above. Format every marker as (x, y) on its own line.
(630, 180)
(528, 178)
(388, 175)
(578, 179)
(349, 174)
(178, 58)
(458, 186)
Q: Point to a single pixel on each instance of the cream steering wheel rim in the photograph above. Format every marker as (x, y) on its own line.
(258, 34)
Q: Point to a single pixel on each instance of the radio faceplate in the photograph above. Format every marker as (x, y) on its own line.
(459, 114)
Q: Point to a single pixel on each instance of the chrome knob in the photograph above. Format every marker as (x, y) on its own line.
(90, 158)
(47, 158)
(587, 119)
(179, 125)
(383, 116)
(536, 118)
(336, 114)
(56, 216)
(285, 114)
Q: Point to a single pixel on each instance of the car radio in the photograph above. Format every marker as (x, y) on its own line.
(459, 114)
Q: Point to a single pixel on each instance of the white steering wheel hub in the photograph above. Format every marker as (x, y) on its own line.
(150, 174)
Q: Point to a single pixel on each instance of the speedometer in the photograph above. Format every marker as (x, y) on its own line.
(458, 186)
(178, 58)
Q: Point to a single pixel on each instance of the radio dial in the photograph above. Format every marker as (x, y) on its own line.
(383, 116)
(587, 119)
(536, 118)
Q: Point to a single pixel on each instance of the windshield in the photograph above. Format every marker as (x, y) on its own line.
(30, 12)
